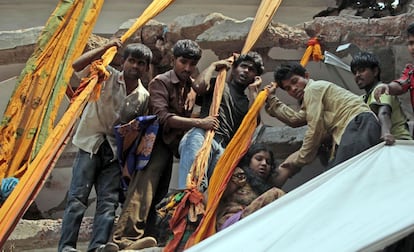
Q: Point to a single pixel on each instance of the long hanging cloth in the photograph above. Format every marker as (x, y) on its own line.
(31, 112)
(40, 166)
(235, 150)
(193, 201)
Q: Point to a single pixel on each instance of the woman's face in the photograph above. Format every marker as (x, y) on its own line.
(260, 164)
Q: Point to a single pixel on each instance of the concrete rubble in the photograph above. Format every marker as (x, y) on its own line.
(224, 35)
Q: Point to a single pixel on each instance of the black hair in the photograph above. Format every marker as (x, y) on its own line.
(252, 57)
(254, 149)
(410, 29)
(285, 71)
(188, 49)
(258, 184)
(365, 60)
(139, 51)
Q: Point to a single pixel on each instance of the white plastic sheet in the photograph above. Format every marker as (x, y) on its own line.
(363, 204)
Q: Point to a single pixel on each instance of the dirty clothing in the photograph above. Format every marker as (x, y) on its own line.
(113, 107)
(167, 98)
(147, 186)
(233, 107)
(399, 127)
(328, 110)
(406, 81)
(96, 164)
(243, 201)
(361, 133)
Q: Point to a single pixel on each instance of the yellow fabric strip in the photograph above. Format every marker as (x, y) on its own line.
(28, 186)
(264, 16)
(306, 56)
(38, 81)
(45, 76)
(156, 7)
(199, 165)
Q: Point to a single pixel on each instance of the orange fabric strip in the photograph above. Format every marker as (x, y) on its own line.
(225, 167)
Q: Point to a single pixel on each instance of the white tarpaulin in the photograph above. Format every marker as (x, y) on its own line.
(363, 204)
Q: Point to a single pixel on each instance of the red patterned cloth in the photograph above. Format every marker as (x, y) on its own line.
(406, 81)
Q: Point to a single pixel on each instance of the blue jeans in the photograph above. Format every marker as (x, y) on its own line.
(188, 149)
(103, 172)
